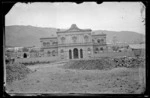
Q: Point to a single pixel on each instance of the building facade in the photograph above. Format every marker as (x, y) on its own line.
(74, 43)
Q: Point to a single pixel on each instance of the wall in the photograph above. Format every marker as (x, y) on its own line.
(116, 54)
(40, 59)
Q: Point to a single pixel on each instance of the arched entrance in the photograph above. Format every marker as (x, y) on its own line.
(81, 53)
(24, 55)
(75, 53)
(70, 54)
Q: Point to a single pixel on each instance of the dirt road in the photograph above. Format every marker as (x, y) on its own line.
(51, 78)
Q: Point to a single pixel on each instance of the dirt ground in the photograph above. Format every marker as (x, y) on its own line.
(52, 78)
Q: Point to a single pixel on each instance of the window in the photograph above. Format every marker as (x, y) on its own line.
(93, 41)
(62, 51)
(89, 50)
(86, 38)
(98, 41)
(96, 50)
(101, 49)
(63, 39)
(48, 44)
(74, 38)
(102, 40)
(53, 52)
(48, 53)
(54, 43)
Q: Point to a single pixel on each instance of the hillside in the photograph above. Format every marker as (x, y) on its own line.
(30, 36)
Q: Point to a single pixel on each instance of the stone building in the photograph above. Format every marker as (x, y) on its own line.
(74, 43)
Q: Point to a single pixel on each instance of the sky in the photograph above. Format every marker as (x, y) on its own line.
(114, 16)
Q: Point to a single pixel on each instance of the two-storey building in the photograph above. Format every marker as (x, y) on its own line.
(74, 43)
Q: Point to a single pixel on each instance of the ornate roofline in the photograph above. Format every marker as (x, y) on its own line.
(74, 28)
(98, 34)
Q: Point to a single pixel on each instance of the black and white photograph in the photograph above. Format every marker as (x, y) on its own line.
(70, 48)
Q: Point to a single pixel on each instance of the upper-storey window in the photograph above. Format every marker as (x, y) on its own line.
(53, 52)
(62, 51)
(54, 43)
(63, 39)
(89, 50)
(98, 41)
(74, 38)
(102, 40)
(86, 38)
(48, 44)
(93, 41)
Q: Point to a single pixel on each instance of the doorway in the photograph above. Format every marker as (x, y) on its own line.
(24, 55)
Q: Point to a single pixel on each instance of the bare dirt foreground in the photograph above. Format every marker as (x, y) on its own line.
(52, 78)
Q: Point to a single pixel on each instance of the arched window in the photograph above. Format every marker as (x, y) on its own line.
(89, 50)
(102, 40)
(93, 41)
(74, 38)
(63, 39)
(62, 51)
(44, 43)
(96, 50)
(81, 53)
(48, 53)
(70, 54)
(101, 49)
(53, 52)
(86, 38)
(48, 44)
(98, 41)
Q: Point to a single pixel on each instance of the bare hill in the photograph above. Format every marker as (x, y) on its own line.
(30, 36)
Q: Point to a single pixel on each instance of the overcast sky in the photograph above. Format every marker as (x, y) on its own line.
(115, 16)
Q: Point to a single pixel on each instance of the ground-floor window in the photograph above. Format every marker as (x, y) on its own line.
(81, 53)
(53, 53)
(70, 54)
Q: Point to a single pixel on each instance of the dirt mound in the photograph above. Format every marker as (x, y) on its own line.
(16, 71)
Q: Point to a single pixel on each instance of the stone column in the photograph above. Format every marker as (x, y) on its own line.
(79, 54)
(72, 53)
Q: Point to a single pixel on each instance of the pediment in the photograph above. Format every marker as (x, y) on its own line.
(74, 28)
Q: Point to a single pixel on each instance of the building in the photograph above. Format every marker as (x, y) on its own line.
(74, 43)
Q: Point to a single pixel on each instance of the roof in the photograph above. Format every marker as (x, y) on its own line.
(101, 34)
(137, 46)
(49, 38)
(74, 28)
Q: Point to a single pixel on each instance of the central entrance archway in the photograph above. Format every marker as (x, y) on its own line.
(75, 53)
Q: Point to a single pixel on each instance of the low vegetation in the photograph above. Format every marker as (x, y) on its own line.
(16, 72)
(105, 63)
